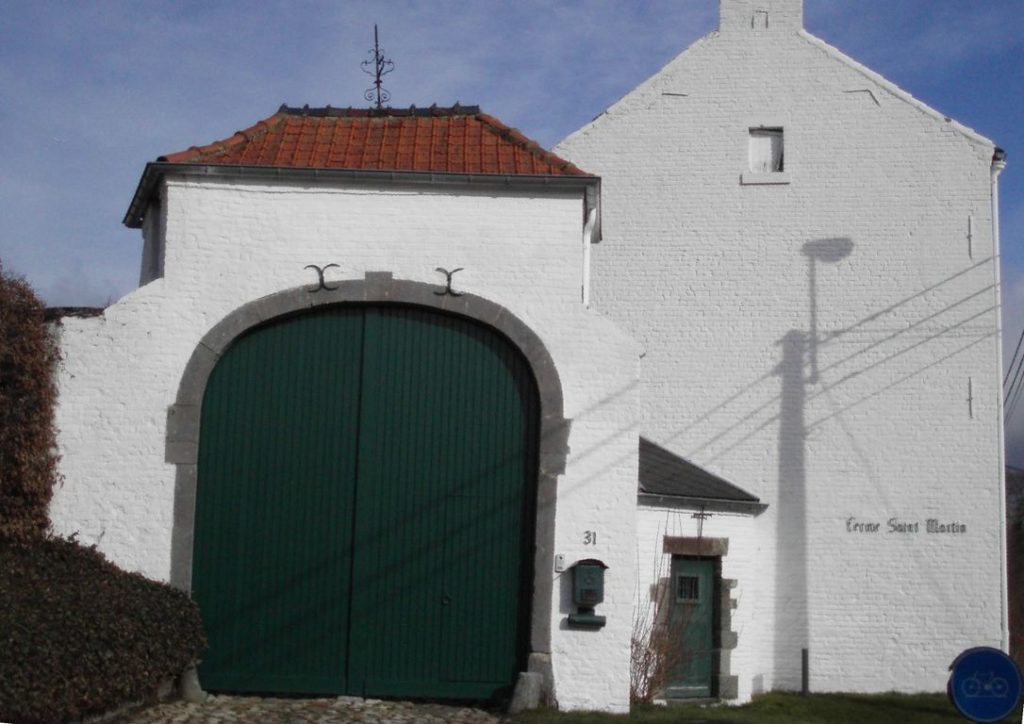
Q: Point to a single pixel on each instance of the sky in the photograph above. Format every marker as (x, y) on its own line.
(91, 91)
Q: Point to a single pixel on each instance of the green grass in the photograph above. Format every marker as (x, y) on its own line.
(783, 707)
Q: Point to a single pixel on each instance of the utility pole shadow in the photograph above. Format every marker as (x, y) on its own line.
(797, 370)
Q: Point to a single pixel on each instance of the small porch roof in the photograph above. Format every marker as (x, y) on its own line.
(668, 479)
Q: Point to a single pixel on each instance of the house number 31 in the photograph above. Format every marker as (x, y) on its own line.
(590, 537)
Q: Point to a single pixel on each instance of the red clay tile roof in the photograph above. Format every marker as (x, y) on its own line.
(459, 140)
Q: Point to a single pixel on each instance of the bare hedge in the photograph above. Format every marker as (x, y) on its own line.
(28, 393)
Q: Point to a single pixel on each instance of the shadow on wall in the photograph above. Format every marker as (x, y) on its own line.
(886, 338)
(797, 369)
(751, 409)
(897, 341)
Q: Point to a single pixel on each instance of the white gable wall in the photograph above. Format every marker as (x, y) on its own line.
(229, 243)
(848, 407)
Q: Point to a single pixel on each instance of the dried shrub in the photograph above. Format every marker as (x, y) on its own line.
(80, 636)
(656, 645)
(28, 392)
(77, 635)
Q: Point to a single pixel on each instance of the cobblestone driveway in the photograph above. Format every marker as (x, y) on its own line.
(255, 710)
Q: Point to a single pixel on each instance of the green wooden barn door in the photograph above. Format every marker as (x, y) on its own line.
(446, 453)
(277, 467)
(363, 520)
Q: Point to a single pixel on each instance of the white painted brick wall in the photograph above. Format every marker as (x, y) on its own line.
(230, 243)
(713, 277)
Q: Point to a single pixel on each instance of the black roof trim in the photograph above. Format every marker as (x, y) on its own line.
(712, 505)
(350, 112)
(665, 474)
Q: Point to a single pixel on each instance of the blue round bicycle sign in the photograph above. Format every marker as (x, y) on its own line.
(985, 685)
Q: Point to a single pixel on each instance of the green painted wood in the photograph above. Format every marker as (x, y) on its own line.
(277, 466)
(446, 463)
(693, 583)
(363, 520)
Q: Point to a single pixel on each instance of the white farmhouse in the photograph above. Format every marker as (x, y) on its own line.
(416, 408)
(809, 258)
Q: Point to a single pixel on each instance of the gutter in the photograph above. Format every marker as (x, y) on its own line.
(998, 164)
(589, 237)
(156, 170)
(721, 505)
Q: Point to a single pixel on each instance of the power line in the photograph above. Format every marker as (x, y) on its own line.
(1008, 392)
(1012, 393)
(1015, 353)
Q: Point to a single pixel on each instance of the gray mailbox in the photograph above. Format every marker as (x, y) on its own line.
(587, 592)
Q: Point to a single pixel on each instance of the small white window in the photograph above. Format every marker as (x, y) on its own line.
(766, 154)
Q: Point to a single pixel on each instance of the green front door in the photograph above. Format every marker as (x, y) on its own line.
(692, 612)
(364, 507)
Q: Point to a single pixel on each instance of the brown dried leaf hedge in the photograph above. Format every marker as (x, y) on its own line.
(28, 393)
(79, 636)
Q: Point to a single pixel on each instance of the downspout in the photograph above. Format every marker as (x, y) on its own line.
(998, 164)
(588, 239)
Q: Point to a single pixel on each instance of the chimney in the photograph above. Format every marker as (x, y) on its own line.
(760, 16)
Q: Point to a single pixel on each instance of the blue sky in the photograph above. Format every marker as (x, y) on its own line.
(90, 91)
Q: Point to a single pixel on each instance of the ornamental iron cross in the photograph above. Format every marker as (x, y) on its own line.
(378, 66)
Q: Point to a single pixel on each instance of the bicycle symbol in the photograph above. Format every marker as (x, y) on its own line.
(985, 686)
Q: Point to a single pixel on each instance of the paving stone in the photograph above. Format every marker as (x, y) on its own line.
(259, 710)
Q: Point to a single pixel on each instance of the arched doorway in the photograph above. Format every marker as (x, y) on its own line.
(364, 512)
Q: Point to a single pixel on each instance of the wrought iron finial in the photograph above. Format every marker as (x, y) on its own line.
(378, 66)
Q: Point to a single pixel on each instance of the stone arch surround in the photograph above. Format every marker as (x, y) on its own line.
(183, 417)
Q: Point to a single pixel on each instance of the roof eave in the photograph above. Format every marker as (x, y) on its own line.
(718, 505)
(156, 170)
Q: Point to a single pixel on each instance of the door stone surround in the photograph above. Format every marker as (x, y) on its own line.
(183, 416)
(724, 684)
